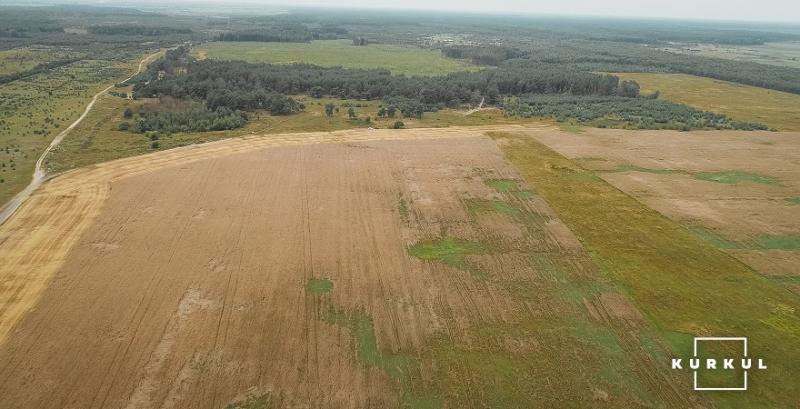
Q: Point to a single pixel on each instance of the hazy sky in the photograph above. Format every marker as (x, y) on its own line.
(750, 10)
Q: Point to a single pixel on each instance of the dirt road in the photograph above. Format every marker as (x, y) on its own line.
(39, 173)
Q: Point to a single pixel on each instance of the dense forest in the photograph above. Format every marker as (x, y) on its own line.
(240, 85)
(183, 117)
(545, 90)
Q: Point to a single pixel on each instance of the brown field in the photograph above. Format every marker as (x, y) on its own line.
(385, 268)
(753, 214)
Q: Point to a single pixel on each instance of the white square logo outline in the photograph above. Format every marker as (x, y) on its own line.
(694, 352)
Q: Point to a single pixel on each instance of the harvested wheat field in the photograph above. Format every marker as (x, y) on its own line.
(739, 191)
(411, 268)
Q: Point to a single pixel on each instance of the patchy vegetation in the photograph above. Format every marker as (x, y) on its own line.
(777, 110)
(172, 117)
(447, 250)
(616, 112)
(734, 176)
(682, 284)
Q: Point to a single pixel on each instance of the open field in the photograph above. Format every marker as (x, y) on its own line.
(785, 54)
(681, 283)
(732, 189)
(776, 109)
(334, 53)
(385, 268)
(98, 138)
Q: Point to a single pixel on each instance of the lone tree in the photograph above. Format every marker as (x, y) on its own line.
(351, 113)
(329, 109)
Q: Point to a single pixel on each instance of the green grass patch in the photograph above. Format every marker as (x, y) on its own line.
(477, 206)
(793, 200)
(401, 368)
(777, 242)
(729, 177)
(503, 185)
(634, 168)
(319, 285)
(681, 283)
(367, 352)
(509, 186)
(338, 53)
(447, 250)
(715, 239)
(734, 176)
(402, 208)
(763, 242)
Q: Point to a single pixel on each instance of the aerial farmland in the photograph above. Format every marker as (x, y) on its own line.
(211, 208)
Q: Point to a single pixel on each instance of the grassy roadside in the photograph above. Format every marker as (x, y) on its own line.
(684, 286)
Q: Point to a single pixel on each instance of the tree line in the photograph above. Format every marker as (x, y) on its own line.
(137, 30)
(241, 85)
(640, 113)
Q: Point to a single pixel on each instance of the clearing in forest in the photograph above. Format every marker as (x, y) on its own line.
(338, 53)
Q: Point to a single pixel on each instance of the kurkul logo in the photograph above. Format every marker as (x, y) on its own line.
(743, 363)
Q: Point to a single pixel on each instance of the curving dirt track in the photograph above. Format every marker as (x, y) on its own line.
(39, 173)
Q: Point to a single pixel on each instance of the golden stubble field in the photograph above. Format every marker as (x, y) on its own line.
(410, 268)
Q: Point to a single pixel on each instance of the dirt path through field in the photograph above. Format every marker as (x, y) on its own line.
(39, 173)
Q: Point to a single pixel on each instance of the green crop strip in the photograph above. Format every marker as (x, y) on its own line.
(684, 285)
(763, 242)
